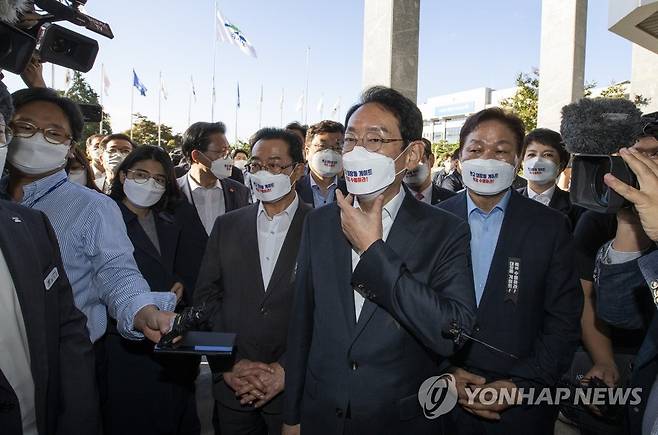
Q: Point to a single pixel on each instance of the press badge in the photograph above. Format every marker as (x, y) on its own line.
(51, 278)
(513, 268)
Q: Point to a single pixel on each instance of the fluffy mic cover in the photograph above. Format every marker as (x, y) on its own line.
(600, 125)
(10, 9)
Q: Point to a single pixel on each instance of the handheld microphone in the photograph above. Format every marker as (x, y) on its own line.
(459, 337)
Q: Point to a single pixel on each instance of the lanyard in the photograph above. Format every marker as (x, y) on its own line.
(52, 189)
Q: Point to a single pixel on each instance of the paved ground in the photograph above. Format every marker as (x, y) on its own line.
(204, 399)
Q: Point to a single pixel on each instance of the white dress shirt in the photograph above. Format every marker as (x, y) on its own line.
(209, 202)
(389, 214)
(544, 198)
(271, 234)
(15, 352)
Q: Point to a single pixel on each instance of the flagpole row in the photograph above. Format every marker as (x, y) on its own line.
(100, 127)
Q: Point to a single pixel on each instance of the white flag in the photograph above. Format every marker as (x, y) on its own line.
(106, 83)
(335, 108)
(67, 79)
(162, 88)
(320, 107)
(281, 100)
(228, 32)
(300, 103)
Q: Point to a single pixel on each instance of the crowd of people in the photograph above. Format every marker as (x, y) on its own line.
(344, 257)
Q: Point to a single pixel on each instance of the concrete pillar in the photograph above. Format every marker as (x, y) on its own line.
(561, 58)
(644, 74)
(390, 45)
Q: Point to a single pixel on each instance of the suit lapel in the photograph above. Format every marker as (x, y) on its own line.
(343, 267)
(288, 254)
(15, 242)
(560, 200)
(400, 239)
(168, 235)
(137, 234)
(251, 251)
(229, 196)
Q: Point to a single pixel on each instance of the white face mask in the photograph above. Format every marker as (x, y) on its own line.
(540, 170)
(143, 195)
(240, 164)
(417, 176)
(3, 158)
(268, 187)
(368, 174)
(327, 163)
(79, 176)
(487, 176)
(222, 168)
(35, 155)
(113, 159)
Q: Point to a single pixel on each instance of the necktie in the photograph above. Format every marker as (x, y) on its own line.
(420, 196)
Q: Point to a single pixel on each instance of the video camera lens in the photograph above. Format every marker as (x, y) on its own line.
(600, 190)
(588, 189)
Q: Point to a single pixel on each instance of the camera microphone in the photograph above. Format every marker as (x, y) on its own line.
(460, 336)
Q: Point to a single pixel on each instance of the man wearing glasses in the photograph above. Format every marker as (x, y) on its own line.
(373, 305)
(248, 276)
(207, 185)
(324, 143)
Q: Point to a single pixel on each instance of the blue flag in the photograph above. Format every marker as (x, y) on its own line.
(238, 103)
(136, 83)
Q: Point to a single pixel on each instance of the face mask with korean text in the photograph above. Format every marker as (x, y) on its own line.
(540, 170)
(327, 163)
(417, 176)
(367, 173)
(269, 187)
(487, 176)
(222, 168)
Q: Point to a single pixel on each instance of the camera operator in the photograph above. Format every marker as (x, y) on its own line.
(625, 266)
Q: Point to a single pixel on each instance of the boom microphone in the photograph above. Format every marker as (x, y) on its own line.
(600, 125)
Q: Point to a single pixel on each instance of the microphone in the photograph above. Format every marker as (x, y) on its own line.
(11, 9)
(459, 337)
(600, 125)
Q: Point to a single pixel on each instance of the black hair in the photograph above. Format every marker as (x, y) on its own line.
(6, 106)
(427, 147)
(294, 142)
(92, 137)
(76, 155)
(302, 129)
(510, 120)
(409, 116)
(197, 137)
(172, 195)
(326, 126)
(238, 151)
(455, 155)
(70, 109)
(549, 138)
(117, 136)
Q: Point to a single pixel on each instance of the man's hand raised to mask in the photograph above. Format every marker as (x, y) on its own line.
(153, 323)
(361, 228)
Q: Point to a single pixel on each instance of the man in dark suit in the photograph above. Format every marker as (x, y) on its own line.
(419, 179)
(251, 293)
(453, 180)
(47, 381)
(380, 276)
(544, 159)
(207, 185)
(529, 301)
(323, 146)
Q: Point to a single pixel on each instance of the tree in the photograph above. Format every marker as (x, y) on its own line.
(619, 90)
(524, 101)
(145, 131)
(443, 149)
(81, 92)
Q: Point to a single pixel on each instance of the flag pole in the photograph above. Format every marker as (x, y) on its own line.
(236, 125)
(52, 75)
(260, 107)
(160, 112)
(132, 108)
(281, 108)
(308, 57)
(214, 61)
(189, 110)
(100, 128)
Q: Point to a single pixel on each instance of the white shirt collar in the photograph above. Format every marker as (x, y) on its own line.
(194, 185)
(289, 211)
(313, 183)
(547, 194)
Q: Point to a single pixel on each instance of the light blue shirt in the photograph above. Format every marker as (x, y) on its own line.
(96, 252)
(318, 198)
(485, 229)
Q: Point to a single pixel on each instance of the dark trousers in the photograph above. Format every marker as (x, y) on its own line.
(248, 422)
(147, 394)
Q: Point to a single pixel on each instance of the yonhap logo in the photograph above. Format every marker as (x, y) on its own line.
(438, 395)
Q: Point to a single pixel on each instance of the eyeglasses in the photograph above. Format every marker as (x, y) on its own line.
(55, 136)
(141, 177)
(338, 146)
(5, 135)
(274, 168)
(371, 141)
(221, 154)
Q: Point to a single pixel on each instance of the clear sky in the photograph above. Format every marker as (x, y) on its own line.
(464, 44)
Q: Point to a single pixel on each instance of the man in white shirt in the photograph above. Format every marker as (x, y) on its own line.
(419, 179)
(247, 276)
(207, 185)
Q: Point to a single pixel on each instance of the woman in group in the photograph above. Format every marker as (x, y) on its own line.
(149, 393)
(79, 170)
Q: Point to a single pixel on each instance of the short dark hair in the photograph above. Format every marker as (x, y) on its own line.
(326, 126)
(509, 119)
(428, 147)
(550, 138)
(91, 138)
(297, 127)
(294, 142)
(197, 137)
(455, 155)
(117, 136)
(70, 109)
(6, 106)
(172, 195)
(409, 116)
(238, 151)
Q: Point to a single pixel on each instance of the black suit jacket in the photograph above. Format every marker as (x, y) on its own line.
(232, 284)
(541, 324)
(452, 182)
(440, 194)
(305, 192)
(562, 203)
(415, 284)
(62, 360)
(236, 195)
